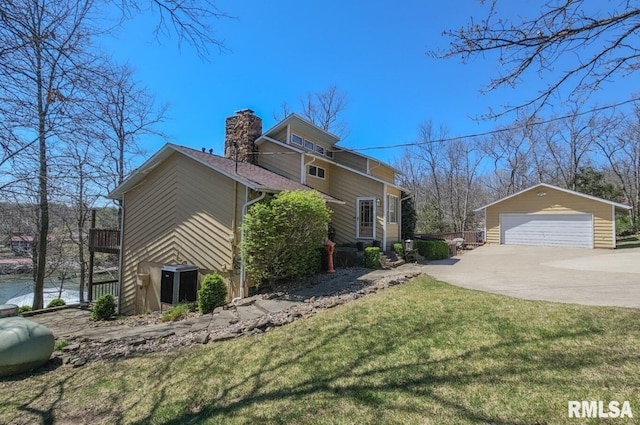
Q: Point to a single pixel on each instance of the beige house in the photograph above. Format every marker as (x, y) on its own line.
(185, 207)
(546, 215)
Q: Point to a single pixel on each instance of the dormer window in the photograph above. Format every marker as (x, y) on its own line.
(296, 140)
(308, 144)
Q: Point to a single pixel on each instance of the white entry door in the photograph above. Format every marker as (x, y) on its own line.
(366, 218)
(568, 230)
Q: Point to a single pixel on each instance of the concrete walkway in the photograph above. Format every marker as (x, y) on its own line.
(582, 276)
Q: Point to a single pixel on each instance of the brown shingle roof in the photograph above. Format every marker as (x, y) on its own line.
(254, 176)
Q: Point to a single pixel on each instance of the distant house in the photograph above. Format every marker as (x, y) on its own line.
(185, 206)
(21, 245)
(546, 215)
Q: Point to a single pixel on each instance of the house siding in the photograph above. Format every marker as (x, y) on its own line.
(280, 135)
(317, 183)
(351, 160)
(177, 215)
(382, 172)
(393, 229)
(347, 186)
(554, 202)
(283, 161)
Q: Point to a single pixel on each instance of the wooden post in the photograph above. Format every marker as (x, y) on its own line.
(91, 255)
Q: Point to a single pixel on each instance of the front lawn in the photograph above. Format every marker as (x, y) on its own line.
(420, 353)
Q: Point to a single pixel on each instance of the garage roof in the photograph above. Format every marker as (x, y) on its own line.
(572, 192)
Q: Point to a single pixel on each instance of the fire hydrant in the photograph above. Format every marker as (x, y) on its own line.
(329, 246)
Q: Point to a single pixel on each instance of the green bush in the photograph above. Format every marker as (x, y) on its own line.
(212, 293)
(372, 257)
(282, 236)
(105, 307)
(398, 248)
(56, 302)
(433, 250)
(178, 312)
(24, 308)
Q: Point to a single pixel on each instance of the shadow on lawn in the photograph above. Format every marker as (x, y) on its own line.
(628, 242)
(361, 382)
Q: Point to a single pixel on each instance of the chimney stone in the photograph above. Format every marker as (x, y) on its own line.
(242, 129)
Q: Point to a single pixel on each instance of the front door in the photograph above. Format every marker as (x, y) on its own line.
(366, 218)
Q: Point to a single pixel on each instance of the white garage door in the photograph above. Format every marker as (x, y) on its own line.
(570, 230)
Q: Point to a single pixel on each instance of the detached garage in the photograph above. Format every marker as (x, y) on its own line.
(546, 215)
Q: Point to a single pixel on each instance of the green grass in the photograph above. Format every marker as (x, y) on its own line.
(420, 353)
(179, 312)
(60, 345)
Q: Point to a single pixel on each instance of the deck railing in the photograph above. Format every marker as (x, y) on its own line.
(104, 240)
(99, 289)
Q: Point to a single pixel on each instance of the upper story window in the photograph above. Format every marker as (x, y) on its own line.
(318, 172)
(308, 144)
(392, 209)
(296, 140)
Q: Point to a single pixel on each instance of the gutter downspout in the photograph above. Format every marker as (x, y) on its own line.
(243, 271)
(234, 242)
(121, 256)
(384, 217)
(304, 171)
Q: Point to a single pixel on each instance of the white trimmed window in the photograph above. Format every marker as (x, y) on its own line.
(328, 153)
(318, 172)
(296, 140)
(320, 149)
(308, 144)
(392, 209)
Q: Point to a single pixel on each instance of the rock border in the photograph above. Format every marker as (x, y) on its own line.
(81, 350)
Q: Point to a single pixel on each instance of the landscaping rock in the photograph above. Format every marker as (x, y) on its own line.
(261, 313)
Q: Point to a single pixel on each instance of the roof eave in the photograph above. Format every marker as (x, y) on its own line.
(549, 186)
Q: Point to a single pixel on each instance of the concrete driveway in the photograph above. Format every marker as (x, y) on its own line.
(582, 276)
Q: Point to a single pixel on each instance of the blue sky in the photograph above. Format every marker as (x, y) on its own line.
(281, 49)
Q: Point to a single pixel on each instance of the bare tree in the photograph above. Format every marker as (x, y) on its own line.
(191, 21)
(598, 42)
(622, 151)
(324, 109)
(569, 144)
(47, 48)
(516, 157)
(124, 112)
(442, 174)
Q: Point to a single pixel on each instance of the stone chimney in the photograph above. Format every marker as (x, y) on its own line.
(243, 129)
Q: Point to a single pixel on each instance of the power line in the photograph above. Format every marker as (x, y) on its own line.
(497, 131)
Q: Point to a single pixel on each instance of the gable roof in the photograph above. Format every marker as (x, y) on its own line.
(548, 186)
(250, 175)
(294, 118)
(315, 131)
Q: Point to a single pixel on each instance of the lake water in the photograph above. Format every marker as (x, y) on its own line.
(17, 286)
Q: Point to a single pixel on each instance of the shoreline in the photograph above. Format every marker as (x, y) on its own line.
(16, 266)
